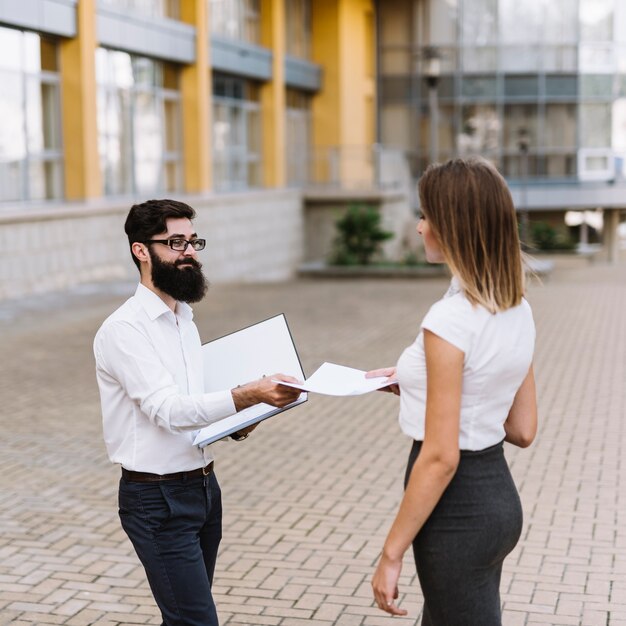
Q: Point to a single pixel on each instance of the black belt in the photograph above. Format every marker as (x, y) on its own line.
(146, 477)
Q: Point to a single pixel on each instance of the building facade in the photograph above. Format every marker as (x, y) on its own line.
(537, 87)
(237, 106)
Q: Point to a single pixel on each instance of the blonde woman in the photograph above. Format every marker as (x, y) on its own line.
(466, 385)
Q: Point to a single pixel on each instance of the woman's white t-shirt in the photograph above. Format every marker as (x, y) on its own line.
(498, 351)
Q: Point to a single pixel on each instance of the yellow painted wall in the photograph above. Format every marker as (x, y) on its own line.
(78, 106)
(325, 50)
(356, 86)
(343, 112)
(273, 95)
(196, 86)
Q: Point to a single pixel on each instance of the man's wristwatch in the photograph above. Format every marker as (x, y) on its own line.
(238, 437)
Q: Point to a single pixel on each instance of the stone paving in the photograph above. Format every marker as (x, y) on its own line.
(309, 497)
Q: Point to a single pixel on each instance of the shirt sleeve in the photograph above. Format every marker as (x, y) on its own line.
(126, 358)
(451, 320)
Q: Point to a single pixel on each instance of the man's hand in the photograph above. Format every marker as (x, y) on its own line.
(389, 372)
(243, 433)
(265, 390)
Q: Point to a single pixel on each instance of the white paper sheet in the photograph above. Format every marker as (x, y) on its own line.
(262, 349)
(338, 380)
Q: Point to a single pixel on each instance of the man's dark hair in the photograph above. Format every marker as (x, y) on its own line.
(148, 219)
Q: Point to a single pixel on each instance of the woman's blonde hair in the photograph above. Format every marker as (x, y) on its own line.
(470, 210)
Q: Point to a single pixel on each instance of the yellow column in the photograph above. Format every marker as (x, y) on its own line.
(78, 105)
(196, 102)
(273, 95)
(343, 120)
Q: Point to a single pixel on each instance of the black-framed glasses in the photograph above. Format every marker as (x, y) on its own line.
(179, 244)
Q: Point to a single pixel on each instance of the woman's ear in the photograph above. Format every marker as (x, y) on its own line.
(140, 251)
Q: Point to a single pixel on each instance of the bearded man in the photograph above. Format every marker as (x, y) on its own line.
(150, 375)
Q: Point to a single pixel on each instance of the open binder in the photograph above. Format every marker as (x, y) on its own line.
(263, 349)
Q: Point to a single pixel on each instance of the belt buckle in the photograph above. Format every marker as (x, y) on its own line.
(206, 471)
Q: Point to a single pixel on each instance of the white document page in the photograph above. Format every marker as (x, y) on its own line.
(259, 350)
(338, 380)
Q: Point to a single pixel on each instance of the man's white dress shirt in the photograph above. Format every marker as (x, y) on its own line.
(150, 374)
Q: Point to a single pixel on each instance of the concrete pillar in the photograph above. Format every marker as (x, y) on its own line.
(196, 102)
(584, 231)
(610, 238)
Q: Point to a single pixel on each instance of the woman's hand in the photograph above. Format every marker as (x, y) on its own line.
(385, 585)
(389, 372)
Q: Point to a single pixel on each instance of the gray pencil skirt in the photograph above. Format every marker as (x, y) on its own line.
(460, 549)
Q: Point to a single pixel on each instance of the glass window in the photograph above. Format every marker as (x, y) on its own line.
(395, 27)
(521, 86)
(560, 165)
(520, 22)
(298, 136)
(479, 87)
(480, 131)
(151, 8)
(596, 85)
(236, 133)
(298, 28)
(525, 58)
(446, 134)
(395, 61)
(445, 88)
(596, 20)
(395, 88)
(139, 133)
(620, 53)
(30, 138)
(483, 59)
(596, 58)
(619, 29)
(520, 119)
(522, 166)
(397, 127)
(479, 22)
(560, 21)
(562, 86)
(559, 127)
(619, 126)
(443, 22)
(595, 125)
(559, 58)
(236, 19)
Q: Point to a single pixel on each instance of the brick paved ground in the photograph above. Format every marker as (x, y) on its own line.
(310, 495)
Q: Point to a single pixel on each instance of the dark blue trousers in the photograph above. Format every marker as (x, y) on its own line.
(175, 527)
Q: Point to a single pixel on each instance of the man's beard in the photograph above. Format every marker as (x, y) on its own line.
(185, 284)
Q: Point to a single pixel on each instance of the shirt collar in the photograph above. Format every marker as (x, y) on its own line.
(155, 307)
(454, 288)
(184, 310)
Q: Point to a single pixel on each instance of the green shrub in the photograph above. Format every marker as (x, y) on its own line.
(547, 237)
(359, 236)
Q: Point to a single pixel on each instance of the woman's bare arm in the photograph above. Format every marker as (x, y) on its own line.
(521, 424)
(434, 468)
